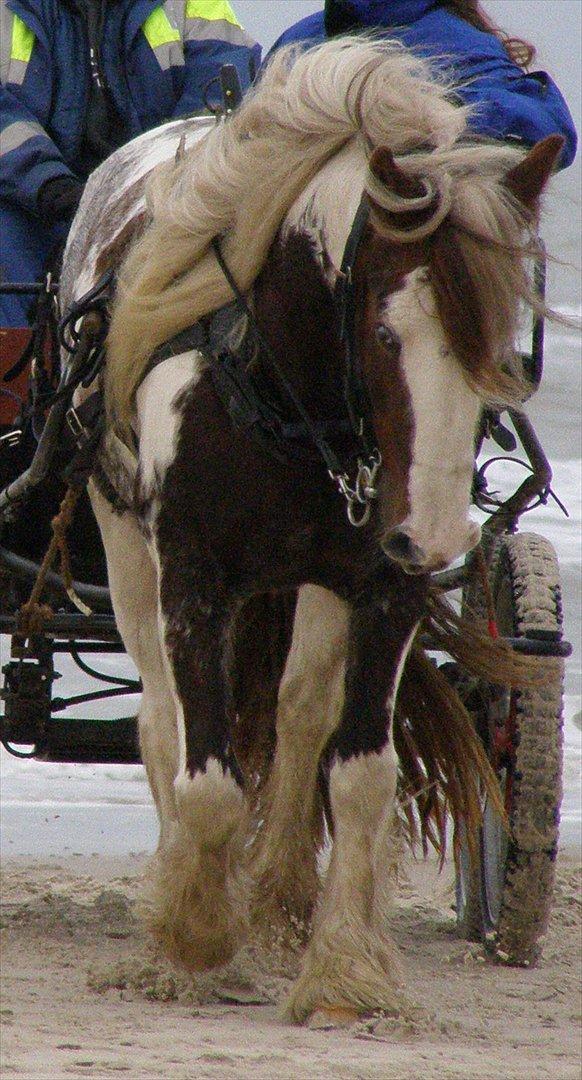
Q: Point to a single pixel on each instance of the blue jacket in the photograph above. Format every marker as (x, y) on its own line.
(157, 57)
(507, 101)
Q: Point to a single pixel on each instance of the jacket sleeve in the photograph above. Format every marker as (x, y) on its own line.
(507, 102)
(212, 37)
(28, 156)
(528, 107)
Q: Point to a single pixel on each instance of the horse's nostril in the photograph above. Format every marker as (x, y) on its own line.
(400, 547)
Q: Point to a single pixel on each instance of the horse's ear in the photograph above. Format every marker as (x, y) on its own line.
(383, 166)
(409, 207)
(528, 179)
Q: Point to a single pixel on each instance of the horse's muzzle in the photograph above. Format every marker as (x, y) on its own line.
(402, 550)
(413, 559)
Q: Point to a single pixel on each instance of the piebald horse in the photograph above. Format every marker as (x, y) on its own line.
(199, 514)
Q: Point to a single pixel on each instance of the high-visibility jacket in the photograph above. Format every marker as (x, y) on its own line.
(507, 101)
(157, 59)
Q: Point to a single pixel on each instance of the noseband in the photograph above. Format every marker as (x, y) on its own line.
(239, 392)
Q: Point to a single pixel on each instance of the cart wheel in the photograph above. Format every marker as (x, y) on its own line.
(511, 891)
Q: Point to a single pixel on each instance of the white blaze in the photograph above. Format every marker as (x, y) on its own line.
(446, 412)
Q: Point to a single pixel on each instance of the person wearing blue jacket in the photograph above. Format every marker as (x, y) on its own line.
(78, 79)
(487, 66)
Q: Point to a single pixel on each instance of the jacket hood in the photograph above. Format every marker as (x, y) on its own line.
(342, 15)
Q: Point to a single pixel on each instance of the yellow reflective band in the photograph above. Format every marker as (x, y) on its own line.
(212, 10)
(159, 30)
(22, 40)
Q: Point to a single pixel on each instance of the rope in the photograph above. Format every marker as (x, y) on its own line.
(33, 614)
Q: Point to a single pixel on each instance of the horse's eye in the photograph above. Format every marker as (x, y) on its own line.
(387, 338)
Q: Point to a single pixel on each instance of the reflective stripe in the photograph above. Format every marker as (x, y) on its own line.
(175, 10)
(16, 44)
(217, 30)
(5, 41)
(17, 134)
(213, 10)
(22, 40)
(16, 72)
(171, 55)
(163, 36)
(159, 30)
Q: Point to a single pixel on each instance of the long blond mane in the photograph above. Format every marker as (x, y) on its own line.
(241, 180)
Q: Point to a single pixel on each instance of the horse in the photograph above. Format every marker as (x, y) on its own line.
(379, 256)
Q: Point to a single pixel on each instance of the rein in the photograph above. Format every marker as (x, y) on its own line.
(240, 394)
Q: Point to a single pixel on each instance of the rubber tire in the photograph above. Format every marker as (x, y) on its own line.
(468, 870)
(527, 594)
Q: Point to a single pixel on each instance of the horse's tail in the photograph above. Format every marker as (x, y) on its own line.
(467, 639)
(444, 768)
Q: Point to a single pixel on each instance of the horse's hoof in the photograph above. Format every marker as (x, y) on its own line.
(327, 1017)
(194, 949)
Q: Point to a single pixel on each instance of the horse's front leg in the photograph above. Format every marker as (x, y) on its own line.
(284, 860)
(195, 906)
(351, 963)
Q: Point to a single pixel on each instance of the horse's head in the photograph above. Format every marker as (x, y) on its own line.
(438, 280)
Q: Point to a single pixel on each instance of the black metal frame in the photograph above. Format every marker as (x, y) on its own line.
(30, 708)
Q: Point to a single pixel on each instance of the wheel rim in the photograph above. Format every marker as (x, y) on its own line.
(494, 851)
(462, 876)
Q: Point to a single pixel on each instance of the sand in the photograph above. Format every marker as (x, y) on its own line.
(85, 995)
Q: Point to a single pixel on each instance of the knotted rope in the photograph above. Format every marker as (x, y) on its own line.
(33, 614)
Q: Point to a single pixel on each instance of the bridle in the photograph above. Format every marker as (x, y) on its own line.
(359, 497)
(246, 401)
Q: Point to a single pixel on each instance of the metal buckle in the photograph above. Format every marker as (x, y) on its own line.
(76, 427)
(11, 438)
(360, 497)
(366, 479)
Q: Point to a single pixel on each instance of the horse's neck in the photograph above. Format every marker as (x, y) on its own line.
(296, 313)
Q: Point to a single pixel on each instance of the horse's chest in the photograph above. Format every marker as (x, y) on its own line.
(259, 519)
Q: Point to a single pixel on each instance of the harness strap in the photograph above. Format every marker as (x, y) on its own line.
(193, 337)
(355, 393)
(87, 358)
(43, 339)
(285, 440)
(313, 429)
(359, 493)
(96, 299)
(249, 408)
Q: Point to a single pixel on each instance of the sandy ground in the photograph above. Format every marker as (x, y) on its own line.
(84, 994)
